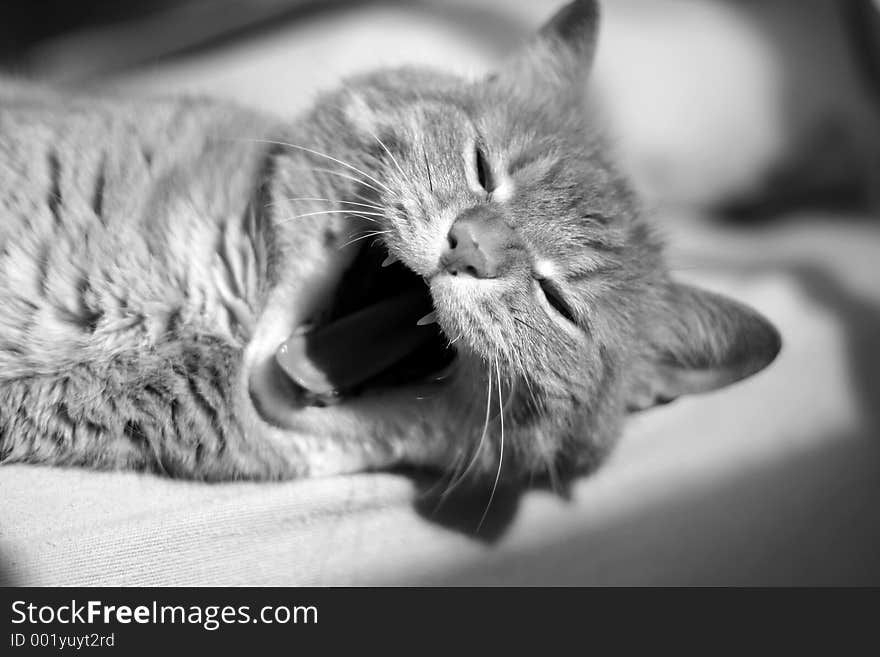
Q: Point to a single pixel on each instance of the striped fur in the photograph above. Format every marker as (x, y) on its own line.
(155, 253)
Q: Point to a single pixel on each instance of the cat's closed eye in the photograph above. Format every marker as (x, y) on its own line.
(484, 171)
(555, 298)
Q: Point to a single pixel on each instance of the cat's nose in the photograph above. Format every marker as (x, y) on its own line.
(479, 245)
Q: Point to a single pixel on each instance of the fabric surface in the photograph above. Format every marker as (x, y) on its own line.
(773, 480)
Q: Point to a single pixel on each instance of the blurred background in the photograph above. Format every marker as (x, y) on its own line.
(747, 106)
(751, 129)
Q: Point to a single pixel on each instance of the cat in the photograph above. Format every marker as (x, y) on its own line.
(421, 270)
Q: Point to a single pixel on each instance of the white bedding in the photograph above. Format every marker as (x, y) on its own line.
(774, 480)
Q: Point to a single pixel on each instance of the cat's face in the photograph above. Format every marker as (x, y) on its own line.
(507, 226)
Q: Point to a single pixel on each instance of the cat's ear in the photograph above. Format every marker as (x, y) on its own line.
(561, 54)
(700, 341)
(572, 31)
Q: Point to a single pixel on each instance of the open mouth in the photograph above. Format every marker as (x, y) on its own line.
(376, 333)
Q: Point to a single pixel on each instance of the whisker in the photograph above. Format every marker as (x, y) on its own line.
(360, 213)
(325, 155)
(390, 154)
(315, 198)
(457, 463)
(500, 449)
(479, 448)
(525, 323)
(338, 173)
(441, 480)
(348, 213)
(510, 395)
(525, 377)
(362, 197)
(458, 467)
(428, 169)
(360, 216)
(374, 233)
(518, 363)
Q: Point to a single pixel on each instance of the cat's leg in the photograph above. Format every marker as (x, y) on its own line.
(184, 409)
(173, 410)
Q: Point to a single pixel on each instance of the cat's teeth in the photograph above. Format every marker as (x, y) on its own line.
(390, 260)
(430, 318)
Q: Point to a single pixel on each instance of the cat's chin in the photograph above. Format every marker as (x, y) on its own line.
(373, 342)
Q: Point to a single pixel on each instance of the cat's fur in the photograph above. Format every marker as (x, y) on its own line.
(152, 262)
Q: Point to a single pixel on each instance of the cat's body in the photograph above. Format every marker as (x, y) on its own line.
(136, 265)
(156, 254)
(111, 215)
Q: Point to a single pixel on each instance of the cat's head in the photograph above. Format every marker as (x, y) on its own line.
(505, 222)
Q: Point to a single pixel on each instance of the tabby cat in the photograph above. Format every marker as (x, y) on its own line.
(422, 270)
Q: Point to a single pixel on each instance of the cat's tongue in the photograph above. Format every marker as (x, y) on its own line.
(352, 349)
